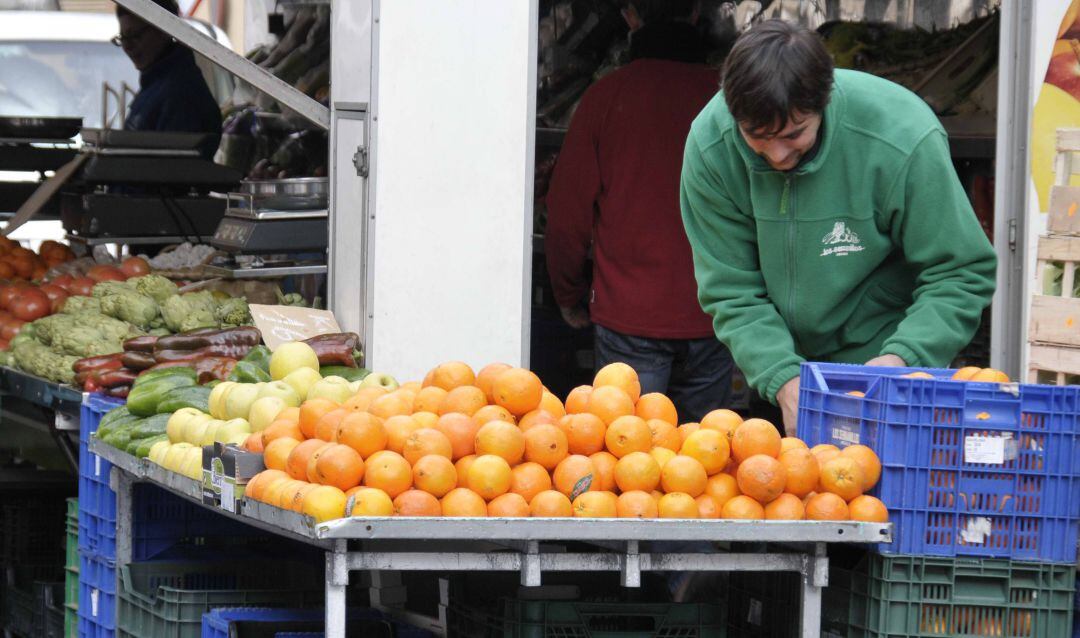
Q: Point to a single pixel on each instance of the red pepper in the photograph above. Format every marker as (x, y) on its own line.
(231, 351)
(101, 362)
(120, 391)
(140, 344)
(137, 360)
(336, 349)
(110, 379)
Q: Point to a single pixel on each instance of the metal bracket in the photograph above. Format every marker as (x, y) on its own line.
(530, 565)
(630, 574)
(360, 161)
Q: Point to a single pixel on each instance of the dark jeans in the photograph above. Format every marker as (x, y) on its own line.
(694, 373)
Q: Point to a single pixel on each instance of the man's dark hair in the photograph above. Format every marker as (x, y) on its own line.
(168, 5)
(656, 11)
(774, 70)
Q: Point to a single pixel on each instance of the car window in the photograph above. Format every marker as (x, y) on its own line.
(53, 79)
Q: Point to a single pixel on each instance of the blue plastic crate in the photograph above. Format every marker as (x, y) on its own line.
(97, 595)
(97, 502)
(977, 469)
(220, 623)
(161, 520)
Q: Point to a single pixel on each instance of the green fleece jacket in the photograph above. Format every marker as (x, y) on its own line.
(869, 248)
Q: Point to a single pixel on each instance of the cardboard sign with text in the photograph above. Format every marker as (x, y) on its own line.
(281, 324)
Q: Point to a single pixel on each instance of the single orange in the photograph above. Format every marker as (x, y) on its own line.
(656, 405)
(869, 462)
(621, 376)
(708, 507)
(722, 487)
(578, 399)
(508, 505)
(662, 455)
(425, 419)
(324, 503)
(628, 434)
(604, 465)
(552, 405)
(762, 478)
(824, 452)
(677, 505)
(296, 464)
(518, 390)
(416, 503)
(869, 509)
(452, 374)
(686, 429)
(584, 432)
(426, 441)
(398, 402)
(529, 479)
(635, 504)
(965, 373)
(802, 471)
(429, 399)
(338, 465)
(786, 507)
(684, 474)
(664, 434)
(574, 475)
(327, 425)
(362, 432)
(595, 505)
(709, 447)
(280, 429)
(755, 436)
(546, 445)
(460, 429)
(990, 375)
(490, 476)
(550, 503)
(742, 507)
(537, 417)
(462, 467)
(361, 401)
(398, 430)
(791, 443)
(493, 413)
(368, 501)
(466, 399)
(434, 474)
(388, 471)
(254, 442)
(842, 476)
(609, 403)
(462, 501)
(500, 438)
(723, 420)
(826, 507)
(637, 471)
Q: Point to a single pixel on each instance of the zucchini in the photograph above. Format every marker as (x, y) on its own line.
(185, 397)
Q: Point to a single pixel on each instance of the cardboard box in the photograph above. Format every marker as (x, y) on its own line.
(226, 470)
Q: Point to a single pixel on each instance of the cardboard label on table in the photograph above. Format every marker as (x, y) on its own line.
(281, 324)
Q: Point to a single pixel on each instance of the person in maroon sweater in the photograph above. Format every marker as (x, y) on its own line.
(616, 188)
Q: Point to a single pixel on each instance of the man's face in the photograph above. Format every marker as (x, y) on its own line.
(141, 42)
(784, 149)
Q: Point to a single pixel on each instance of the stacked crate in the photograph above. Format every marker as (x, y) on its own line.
(982, 483)
(1054, 330)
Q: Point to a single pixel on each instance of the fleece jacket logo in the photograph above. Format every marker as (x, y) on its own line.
(841, 241)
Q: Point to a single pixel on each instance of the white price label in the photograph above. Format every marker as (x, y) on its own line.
(976, 531)
(984, 449)
(228, 496)
(843, 435)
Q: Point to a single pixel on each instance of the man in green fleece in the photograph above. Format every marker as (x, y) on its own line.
(826, 219)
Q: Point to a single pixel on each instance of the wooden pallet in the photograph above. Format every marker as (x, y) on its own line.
(1064, 213)
(1055, 319)
(1054, 365)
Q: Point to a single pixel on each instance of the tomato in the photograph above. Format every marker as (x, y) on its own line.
(135, 267)
(10, 328)
(30, 304)
(62, 281)
(102, 273)
(4, 345)
(78, 286)
(8, 292)
(57, 296)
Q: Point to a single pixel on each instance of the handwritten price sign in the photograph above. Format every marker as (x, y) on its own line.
(282, 324)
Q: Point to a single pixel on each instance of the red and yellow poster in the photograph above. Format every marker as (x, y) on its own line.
(1058, 103)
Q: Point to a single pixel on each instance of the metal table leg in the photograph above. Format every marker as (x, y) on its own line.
(337, 579)
(122, 483)
(815, 576)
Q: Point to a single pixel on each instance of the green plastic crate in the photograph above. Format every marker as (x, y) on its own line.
(574, 619)
(166, 599)
(71, 588)
(909, 596)
(71, 622)
(72, 527)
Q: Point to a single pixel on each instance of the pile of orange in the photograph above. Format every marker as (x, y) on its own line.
(969, 373)
(498, 443)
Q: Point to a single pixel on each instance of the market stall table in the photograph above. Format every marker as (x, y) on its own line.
(405, 544)
(44, 405)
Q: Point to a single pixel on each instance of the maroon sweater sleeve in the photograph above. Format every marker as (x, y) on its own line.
(571, 201)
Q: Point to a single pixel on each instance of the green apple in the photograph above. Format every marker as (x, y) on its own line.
(157, 452)
(217, 396)
(264, 411)
(192, 432)
(230, 430)
(210, 432)
(301, 380)
(380, 379)
(292, 356)
(238, 401)
(283, 391)
(337, 389)
(178, 421)
(175, 456)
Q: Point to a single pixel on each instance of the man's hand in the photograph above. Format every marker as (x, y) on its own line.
(788, 400)
(887, 361)
(575, 317)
